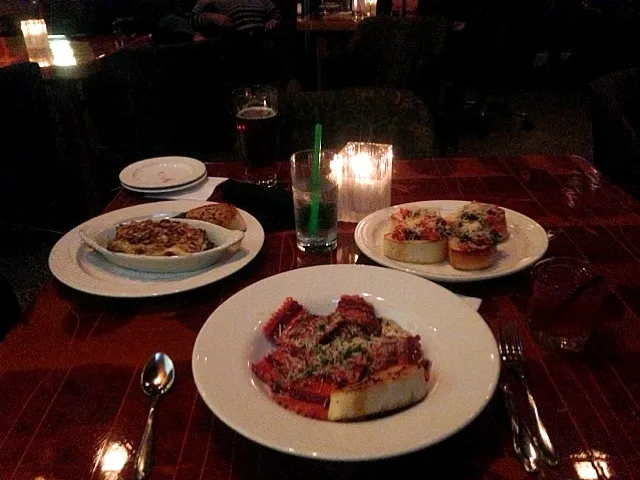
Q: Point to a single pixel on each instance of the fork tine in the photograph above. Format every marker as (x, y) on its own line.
(517, 343)
(511, 338)
(501, 341)
(520, 344)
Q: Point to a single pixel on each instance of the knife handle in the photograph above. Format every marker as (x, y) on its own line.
(521, 438)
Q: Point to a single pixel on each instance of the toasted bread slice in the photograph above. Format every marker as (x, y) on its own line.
(223, 214)
(397, 387)
(414, 251)
(476, 259)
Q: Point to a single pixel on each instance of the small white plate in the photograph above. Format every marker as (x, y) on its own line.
(78, 266)
(527, 243)
(162, 172)
(463, 351)
(196, 183)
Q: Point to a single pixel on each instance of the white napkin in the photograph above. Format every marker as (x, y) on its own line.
(473, 302)
(201, 191)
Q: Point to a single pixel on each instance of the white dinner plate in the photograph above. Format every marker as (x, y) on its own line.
(460, 345)
(526, 244)
(195, 183)
(162, 172)
(77, 265)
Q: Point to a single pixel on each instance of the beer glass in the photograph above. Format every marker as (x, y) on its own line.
(257, 127)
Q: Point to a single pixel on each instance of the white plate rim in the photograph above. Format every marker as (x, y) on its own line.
(178, 188)
(539, 239)
(127, 173)
(220, 365)
(64, 263)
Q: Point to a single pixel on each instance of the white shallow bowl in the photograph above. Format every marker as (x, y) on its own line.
(454, 337)
(226, 241)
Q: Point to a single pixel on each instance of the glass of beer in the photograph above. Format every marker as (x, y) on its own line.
(257, 127)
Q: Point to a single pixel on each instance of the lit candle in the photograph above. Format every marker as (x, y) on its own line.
(357, 8)
(36, 39)
(364, 179)
(371, 7)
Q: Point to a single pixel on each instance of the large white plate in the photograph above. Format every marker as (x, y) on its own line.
(454, 337)
(526, 244)
(78, 266)
(162, 172)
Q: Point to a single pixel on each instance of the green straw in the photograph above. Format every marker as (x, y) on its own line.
(315, 182)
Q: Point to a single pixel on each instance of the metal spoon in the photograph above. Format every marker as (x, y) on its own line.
(157, 377)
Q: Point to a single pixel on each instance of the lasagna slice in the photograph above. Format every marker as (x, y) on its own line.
(159, 238)
(347, 365)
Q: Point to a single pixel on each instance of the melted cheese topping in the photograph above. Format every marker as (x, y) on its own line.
(159, 238)
(473, 235)
(418, 224)
(346, 355)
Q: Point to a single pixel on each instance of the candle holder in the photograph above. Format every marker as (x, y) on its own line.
(370, 6)
(357, 9)
(36, 39)
(363, 171)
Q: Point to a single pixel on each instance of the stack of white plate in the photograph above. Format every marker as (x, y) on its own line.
(163, 174)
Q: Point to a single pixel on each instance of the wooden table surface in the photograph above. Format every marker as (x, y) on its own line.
(72, 407)
(66, 57)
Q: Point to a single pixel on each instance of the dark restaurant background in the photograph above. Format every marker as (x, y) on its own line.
(543, 58)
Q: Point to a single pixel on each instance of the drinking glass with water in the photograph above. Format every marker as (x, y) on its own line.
(316, 226)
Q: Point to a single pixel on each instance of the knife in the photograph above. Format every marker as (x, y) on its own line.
(521, 437)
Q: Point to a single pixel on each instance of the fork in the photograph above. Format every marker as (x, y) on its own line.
(512, 354)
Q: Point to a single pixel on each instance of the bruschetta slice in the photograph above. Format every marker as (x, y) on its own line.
(490, 216)
(420, 238)
(473, 247)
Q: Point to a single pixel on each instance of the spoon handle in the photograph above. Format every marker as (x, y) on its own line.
(144, 456)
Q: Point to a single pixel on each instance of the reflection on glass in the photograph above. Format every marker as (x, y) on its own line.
(592, 465)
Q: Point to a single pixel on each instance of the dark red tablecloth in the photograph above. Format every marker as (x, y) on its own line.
(70, 371)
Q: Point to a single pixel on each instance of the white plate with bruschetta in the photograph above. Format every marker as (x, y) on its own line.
(475, 246)
(464, 364)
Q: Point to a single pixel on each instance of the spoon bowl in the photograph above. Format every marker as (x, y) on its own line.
(157, 375)
(156, 379)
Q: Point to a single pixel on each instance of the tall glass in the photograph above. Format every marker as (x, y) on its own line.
(316, 215)
(257, 127)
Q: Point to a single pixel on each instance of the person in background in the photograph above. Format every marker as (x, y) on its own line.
(249, 16)
(250, 31)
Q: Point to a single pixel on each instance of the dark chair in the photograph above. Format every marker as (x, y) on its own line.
(36, 195)
(32, 182)
(159, 100)
(381, 115)
(9, 306)
(615, 104)
(8, 26)
(391, 52)
(483, 58)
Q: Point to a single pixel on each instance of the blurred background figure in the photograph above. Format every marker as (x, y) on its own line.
(252, 17)
(250, 31)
